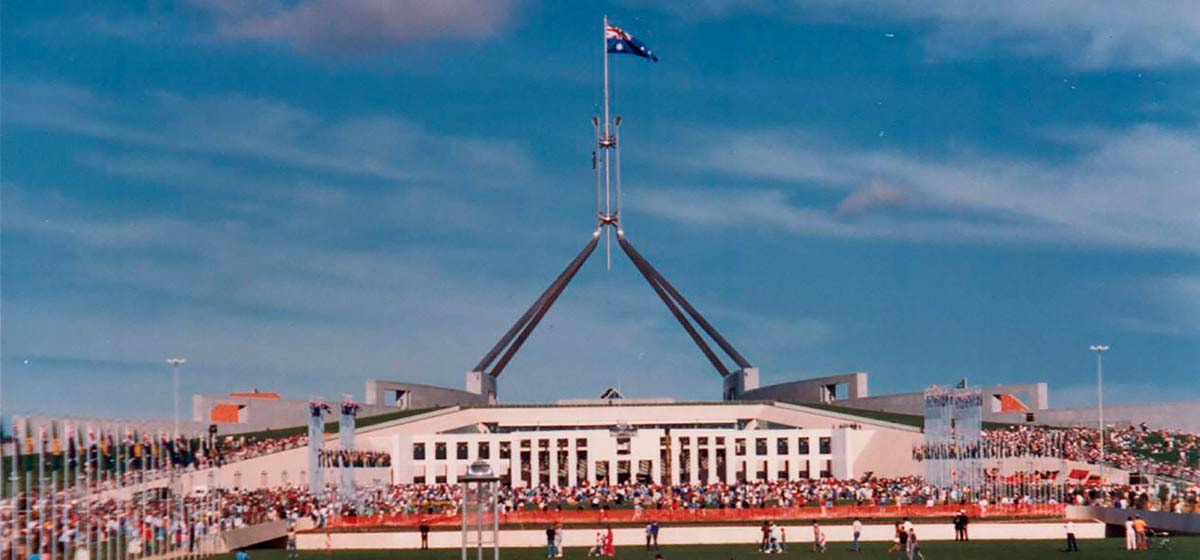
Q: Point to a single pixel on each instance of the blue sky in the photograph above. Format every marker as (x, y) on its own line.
(299, 196)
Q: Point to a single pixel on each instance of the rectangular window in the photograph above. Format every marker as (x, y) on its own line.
(802, 446)
(827, 469)
(623, 447)
(485, 450)
(760, 446)
(739, 446)
(824, 446)
(506, 450)
(702, 441)
(720, 442)
(439, 451)
(581, 443)
(418, 451)
(562, 443)
(462, 450)
(781, 446)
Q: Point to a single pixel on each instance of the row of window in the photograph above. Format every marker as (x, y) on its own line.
(484, 448)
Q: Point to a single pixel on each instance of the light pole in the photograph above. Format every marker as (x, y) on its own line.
(1100, 349)
(175, 363)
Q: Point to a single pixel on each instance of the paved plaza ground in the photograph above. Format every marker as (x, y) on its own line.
(1185, 547)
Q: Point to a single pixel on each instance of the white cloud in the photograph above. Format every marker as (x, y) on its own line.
(1130, 189)
(353, 26)
(1082, 33)
(234, 126)
(1171, 305)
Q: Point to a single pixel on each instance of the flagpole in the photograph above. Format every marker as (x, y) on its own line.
(607, 155)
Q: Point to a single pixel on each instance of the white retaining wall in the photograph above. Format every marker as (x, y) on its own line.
(698, 534)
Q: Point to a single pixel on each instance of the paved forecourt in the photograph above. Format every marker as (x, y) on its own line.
(1105, 549)
(799, 534)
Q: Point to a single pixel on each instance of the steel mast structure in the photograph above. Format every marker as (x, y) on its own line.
(606, 161)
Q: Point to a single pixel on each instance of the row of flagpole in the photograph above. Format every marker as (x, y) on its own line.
(104, 467)
(115, 490)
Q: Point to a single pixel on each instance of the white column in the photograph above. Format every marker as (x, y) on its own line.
(553, 462)
(674, 460)
(730, 462)
(535, 468)
(693, 458)
(572, 463)
(771, 458)
(613, 463)
(452, 462)
(590, 464)
(514, 462)
(712, 457)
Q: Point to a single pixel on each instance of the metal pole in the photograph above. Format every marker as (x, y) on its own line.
(1100, 349)
(607, 150)
(175, 363)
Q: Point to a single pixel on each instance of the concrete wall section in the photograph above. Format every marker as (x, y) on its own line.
(797, 535)
(816, 390)
(416, 396)
(260, 414)
(1183, 415)
(1034, 395)
(1188, 523)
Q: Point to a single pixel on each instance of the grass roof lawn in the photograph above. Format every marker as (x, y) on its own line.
(331, 427)
(914, 420)
(1187, 547)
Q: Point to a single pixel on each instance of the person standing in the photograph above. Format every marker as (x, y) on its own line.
(654, 533)
(558, 540)
(1072, 546)
(1139, 532)
(598, 548)
(914, 548)
(550, 550)
(424, 535)
(958, 526)
(816, 535)
(857, 527)
(610, 548)
(896, 539)
(1130, 538)
(292, 550)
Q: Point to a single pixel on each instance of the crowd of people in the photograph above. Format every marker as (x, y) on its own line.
(1168, 453)
(153, 523)
(335, 458)
(156, 520)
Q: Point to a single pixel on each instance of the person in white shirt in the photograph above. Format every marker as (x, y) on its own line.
(857, 525)
(1130, 535)
(1072, 546)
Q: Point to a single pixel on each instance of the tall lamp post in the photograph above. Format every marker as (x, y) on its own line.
(175, 363)
(480, 511)
(1100, 349)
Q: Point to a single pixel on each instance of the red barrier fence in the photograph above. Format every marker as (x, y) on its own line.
(630, 516)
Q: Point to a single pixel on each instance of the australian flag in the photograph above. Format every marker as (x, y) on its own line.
(620, 42)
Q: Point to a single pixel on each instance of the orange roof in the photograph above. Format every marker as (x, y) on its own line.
(255, 395)
(224, 414)
(1010, 403)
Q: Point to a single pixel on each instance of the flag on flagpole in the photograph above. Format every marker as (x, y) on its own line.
(620, 42)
